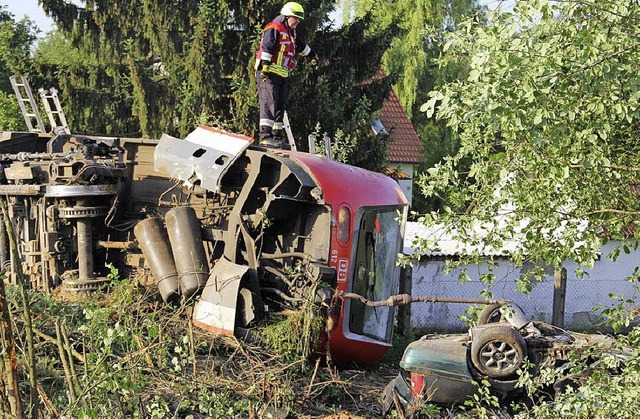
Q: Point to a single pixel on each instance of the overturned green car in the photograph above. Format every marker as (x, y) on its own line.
(444, 369)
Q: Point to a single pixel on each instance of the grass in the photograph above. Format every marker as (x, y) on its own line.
(126, 354)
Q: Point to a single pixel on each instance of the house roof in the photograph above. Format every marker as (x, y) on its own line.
(405, 145)
(395, 174)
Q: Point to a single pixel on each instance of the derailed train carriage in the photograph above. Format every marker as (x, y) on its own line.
(239, 230)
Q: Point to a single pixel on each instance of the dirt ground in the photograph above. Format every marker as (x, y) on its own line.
(362, 391)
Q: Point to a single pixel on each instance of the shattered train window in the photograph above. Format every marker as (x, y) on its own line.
(375, 276)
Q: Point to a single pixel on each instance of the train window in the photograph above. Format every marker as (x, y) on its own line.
(375, 275)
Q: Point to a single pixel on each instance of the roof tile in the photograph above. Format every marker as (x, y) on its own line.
(405, 145)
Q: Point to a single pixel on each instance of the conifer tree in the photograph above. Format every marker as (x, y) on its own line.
(157, 66)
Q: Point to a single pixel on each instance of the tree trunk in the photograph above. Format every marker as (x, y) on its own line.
(9, 392)
(559, 296)
(26, 312)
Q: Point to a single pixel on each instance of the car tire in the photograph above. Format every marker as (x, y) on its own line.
(497, 351)
(491, 314)
(502, 313)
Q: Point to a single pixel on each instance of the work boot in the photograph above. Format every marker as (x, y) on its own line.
(274, 143)
(278, 135)
(270, 142)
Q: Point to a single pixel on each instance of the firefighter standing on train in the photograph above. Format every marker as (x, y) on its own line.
(276, 58)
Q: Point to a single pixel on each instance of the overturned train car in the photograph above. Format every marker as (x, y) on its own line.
(238, 230)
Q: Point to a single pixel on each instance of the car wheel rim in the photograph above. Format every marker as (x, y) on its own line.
(499, 356)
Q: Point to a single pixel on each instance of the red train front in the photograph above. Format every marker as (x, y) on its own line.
(279, 223)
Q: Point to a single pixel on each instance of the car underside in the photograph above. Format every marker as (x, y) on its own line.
(447, 369)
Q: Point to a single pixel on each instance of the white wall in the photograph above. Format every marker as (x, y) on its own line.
(583, 295)
(406, 184)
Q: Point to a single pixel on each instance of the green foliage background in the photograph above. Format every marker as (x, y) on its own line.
(421, 28)
(547, 120)
(16, 39)
(143, 68)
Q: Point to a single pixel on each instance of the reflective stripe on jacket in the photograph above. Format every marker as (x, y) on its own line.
(278, 45)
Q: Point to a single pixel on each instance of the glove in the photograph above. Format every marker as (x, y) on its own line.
(265, 69)
(314, 59)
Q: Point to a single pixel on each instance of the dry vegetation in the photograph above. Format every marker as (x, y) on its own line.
(122, 353)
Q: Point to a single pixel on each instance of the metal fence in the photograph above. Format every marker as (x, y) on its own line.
(582, 307)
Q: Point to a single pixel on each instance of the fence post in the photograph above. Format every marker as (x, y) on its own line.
(559, 295)
(404, 311)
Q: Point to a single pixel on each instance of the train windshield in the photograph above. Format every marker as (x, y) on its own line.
(379, 239)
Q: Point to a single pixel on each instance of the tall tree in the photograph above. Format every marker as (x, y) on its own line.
(162, 66)
(16, 40)
(548, 122)
(421, 28)
(342, 94)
